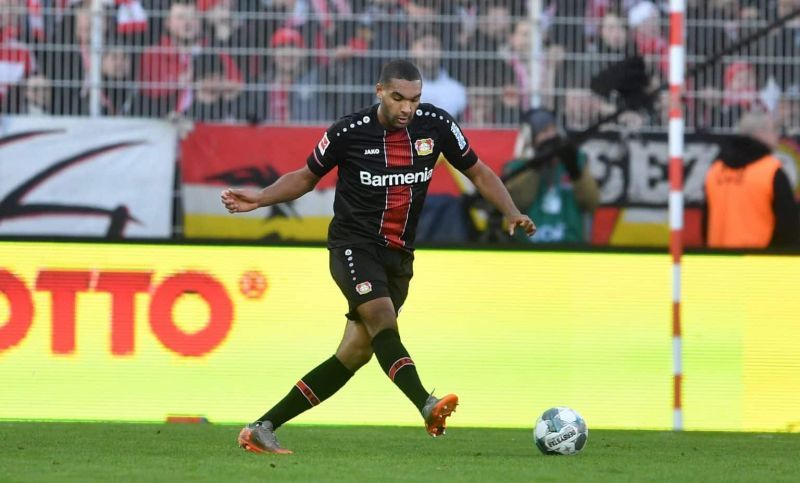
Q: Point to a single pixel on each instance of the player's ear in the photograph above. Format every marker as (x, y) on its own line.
(379, 91)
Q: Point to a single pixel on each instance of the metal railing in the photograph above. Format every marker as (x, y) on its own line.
(310, 61)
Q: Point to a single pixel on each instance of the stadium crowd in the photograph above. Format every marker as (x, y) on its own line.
(310, 61)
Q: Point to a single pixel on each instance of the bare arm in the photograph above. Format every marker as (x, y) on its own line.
(587, 193)
(492, 188)
(523, 188)
(288, 187)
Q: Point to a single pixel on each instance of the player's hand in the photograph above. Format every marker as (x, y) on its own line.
(522, 221)
(240, 200)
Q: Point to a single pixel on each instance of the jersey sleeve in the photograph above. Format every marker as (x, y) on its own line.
(455, 146)
(329, 150)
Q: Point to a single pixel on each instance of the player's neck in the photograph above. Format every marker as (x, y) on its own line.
(383, 121)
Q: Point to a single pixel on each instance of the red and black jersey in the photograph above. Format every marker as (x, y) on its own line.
(384, 175)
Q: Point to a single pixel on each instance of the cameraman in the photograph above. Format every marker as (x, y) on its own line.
(558, 192)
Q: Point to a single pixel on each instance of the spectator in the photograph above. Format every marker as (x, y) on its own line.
(749, 200)
(494, 22)
(490, 80)
(784, 43)
(419, 15)
(229, 30)
(215, 96)
(219, 21)
(131, 20)
(485, 31)
(480, 106)
(614, 39)
(292, 83)
(386, 18)
(353, 64)
(166, 71)
(739, 94)
(68, 65)
(582, 107)
(440, 88)
(558, 191)
(716, 28)
(118, 95)
(38, 96)
(788, 113)
(16, 59)
(644, 19)
(563, 30)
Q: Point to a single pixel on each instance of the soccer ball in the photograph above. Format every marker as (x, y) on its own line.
(560, 431)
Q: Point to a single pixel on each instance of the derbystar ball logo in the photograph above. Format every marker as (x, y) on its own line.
(397, 179)
(323, 144)
(364, 288)
(424, 147)
(564, 435)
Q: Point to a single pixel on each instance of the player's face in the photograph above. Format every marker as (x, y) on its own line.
(399, 100)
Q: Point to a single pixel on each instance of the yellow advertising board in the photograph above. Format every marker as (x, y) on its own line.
(140, 332)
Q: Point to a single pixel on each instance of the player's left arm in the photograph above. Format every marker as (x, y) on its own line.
(492, 189)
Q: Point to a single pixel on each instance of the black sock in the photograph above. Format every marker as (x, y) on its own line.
(397, 364)
(316, 386)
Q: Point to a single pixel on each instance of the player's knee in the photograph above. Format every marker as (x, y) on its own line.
(361, 356)
(379, 320)
(354, 357)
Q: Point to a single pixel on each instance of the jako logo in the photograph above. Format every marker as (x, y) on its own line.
(369, 179)
(372, 151)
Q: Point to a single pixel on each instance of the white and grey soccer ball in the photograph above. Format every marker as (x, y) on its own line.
(560, 430)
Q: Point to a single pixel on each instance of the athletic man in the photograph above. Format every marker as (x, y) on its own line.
(386, 156)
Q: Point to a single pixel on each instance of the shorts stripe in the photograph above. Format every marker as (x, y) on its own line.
(399, 364)
(307, 392)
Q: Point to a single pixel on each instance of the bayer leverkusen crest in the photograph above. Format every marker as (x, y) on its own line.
(424, 147)
(364, 288)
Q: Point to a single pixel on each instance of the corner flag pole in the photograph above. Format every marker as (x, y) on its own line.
(677, 62)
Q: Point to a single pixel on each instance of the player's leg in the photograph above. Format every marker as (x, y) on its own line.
(355, 349)
(379, 317)
(363, 277)
(324, 380)
(318, 385)
(400, 270)
(375, 282)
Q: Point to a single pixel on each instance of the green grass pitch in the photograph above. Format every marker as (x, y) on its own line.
(110, 452)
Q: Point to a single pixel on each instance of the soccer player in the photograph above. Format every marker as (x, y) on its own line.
(386, 155)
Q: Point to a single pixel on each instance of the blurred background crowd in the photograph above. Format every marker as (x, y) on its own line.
(311, 61)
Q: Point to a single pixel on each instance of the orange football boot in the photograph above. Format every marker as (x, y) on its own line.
(259, 437)
(435, 411)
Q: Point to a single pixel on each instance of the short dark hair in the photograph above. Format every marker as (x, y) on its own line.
(399, 69)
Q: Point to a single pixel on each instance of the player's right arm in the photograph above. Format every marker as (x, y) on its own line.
(288, 187)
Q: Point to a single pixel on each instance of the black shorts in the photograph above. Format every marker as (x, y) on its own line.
(368, 272)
